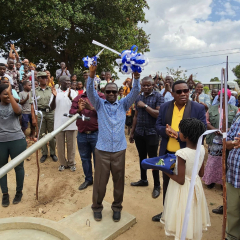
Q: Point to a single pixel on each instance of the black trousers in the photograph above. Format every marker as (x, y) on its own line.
(147, 146)
(166, 179)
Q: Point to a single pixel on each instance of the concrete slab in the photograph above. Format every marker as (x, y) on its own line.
(106, 229)
(31, 228)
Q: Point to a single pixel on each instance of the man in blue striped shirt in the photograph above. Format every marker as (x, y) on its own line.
(111, 145)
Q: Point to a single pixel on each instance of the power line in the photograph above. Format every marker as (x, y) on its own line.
(196, 57)
(197, 53)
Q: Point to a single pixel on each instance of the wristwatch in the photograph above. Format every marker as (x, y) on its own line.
(146, 106)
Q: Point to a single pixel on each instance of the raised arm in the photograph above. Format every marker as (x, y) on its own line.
(131, 97)
(17, 110)
(91, 92)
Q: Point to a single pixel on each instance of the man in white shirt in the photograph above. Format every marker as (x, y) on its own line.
(61, 101)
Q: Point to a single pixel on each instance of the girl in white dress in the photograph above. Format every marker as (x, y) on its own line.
(177, 193)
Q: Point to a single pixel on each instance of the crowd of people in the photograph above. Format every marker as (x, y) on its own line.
(153, 110)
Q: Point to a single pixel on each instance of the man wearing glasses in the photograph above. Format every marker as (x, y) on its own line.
(43, 95)
(111, 145)
(170, 115)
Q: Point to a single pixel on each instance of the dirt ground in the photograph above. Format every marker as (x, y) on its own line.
(59, 197)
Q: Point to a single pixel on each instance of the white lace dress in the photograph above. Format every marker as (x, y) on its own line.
(176, 201)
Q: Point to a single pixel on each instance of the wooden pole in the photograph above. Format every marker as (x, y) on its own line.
(38, 167)
(224, 130)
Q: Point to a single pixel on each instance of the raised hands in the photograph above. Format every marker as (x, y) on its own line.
(170, 132)
(136, 75)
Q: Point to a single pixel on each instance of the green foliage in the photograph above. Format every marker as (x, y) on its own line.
(238, 81)
(206, 89)
(215, 79)
(58, 30)
(179, 74)
(236, 71)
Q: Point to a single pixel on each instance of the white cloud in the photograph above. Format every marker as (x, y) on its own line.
(184, 27)
(228, 10)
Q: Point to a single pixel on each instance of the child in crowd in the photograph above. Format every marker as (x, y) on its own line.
(74, 86)
(178, 188)
(120, 93)
(74, 78)
(25, 75)
(80, 87)
(36, 83)
(26, 108)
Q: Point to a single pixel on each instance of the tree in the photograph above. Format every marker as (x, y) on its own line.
(59, 30)
(215, 79)
(206, 89)
(236, 71)
(180, 74)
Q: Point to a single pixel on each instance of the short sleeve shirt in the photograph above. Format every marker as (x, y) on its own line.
(145, 122)
(43, 97)
(10, 128)
(26, 106)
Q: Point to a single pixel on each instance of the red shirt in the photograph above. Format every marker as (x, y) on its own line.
(80, 91)
(84, 126)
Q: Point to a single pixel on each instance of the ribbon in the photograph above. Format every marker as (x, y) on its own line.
(91, 61)
(196, 160)
(130, 60)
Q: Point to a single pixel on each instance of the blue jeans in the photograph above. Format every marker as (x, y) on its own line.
(86, 147)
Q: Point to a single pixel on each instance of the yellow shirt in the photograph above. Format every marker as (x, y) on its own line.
(173, 144)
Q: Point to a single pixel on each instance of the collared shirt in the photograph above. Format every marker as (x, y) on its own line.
(145, 122)
(173, 144)
(111, 118)
(231, 101)
(63, 105)
(168, 96)
(43, 97)
(233, 161)
(92, 124)
(205, 99)
(14, 74)
(59, 71)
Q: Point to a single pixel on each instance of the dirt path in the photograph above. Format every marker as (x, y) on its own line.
(59, 197)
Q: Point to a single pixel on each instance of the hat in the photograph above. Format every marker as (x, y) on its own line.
(41, 74)
(85, 71)
(63, 78)
(228, 92)
(25, 60)
(234, 92)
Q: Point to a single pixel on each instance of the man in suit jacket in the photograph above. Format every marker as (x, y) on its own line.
(170, 115)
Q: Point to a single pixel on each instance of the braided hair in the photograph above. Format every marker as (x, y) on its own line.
(192, 129)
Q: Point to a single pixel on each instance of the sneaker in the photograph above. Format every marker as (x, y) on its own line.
(18, 197)
(61, 168)
(5, 200)
(73, 168)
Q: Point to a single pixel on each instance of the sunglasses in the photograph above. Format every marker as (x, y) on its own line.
(180, 91)
(111, 91)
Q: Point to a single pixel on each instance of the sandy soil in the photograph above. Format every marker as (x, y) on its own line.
(59, 197)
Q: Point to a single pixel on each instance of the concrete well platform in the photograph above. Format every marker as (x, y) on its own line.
(77, 226)
(84, 224)
(31, 228)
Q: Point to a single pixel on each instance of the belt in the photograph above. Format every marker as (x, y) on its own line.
(45, 109)
(90, 132)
